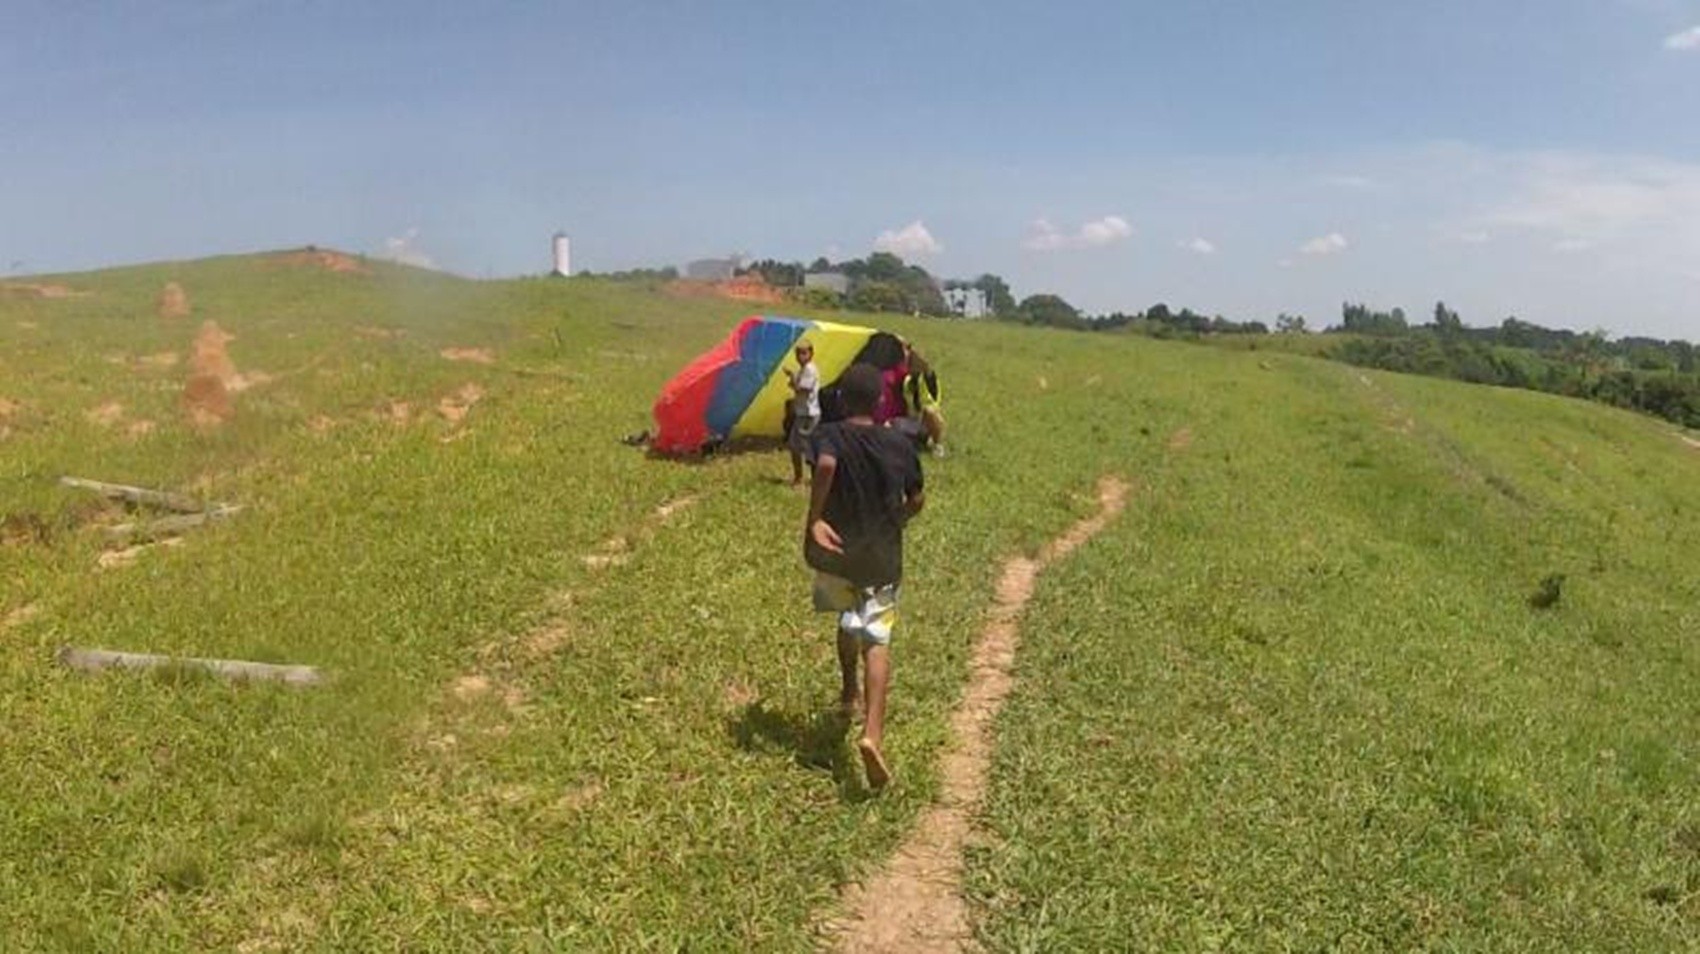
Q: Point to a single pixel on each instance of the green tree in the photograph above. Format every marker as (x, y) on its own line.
(999, 301)
(1049, 310)
(1290, 324)
(1446, 321)
(878, 296)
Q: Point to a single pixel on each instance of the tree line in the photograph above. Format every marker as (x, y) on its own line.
(1650, 375)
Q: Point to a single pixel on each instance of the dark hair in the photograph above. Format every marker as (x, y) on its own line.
(861, 387)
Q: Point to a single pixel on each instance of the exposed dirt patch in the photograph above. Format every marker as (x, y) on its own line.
(739, 694)
(40, 290)
(23, 529)
(374, 333)
(578, 798)
(8, 408)
(915, 903)
(19, 616)
(398, 412)
(164, 359)
(454, 407)
(140, 428)
(326, 259)
(470, 687)
(112, 559)
(741, 288)
(474, 355)
(106, 414)
(546, 640)
(28, 326)
(206, 401)
(248, 379)
(209, 354)
(1691, 442)
(1181, 439)
(173, 301)
(321, 424)
(212, 378)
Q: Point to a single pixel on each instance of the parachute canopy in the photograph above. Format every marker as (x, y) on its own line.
(738, 388)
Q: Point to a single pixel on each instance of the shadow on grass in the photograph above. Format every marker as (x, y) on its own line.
(815, 740)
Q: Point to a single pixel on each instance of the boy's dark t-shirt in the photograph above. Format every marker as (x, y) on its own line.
(877, 470)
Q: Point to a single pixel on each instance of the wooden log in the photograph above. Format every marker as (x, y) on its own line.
(94, 660)
(139, 495)
(167, 526)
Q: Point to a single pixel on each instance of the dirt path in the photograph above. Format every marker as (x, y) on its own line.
(915, 903)
(1691, 442)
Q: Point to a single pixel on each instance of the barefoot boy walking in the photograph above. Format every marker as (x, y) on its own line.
(867, 484)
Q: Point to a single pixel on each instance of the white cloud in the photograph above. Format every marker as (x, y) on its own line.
(1688, 39)
(1331, 244)
(1572, 244)
(405, 250)
(1045, 237)
(1475, 236)
(911, 241)
(1201, 246)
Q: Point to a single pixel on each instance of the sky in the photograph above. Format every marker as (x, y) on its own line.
(1536, 158)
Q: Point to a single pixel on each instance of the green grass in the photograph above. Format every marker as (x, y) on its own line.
(1348, 729)
(1294, 698)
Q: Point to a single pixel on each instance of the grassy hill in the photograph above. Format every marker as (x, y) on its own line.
(1295, 698)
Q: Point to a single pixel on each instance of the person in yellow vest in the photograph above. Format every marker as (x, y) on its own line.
(921, 400)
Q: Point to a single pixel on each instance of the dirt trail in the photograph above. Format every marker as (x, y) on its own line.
(1691, 442)
(915, 903)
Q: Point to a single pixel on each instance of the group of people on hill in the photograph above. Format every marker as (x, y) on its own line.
(867, 483)
(908, 402)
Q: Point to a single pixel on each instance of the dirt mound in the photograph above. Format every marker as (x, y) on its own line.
(742, 288)
(474, 355)
(173, 301)
(209, 355)
(207, 401)
(330, 261)
(38, 290)
(105, 415)
(454, 407)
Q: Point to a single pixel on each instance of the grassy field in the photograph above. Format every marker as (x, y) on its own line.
(1295, 698)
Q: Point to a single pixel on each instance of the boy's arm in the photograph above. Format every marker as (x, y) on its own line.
(826, 466)
(915, 494)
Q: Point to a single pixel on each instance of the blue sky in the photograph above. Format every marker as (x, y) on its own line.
(1540, 158)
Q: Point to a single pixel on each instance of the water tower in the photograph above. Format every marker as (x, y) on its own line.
(563, 255)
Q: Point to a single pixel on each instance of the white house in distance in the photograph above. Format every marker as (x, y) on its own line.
(712, 269)
(966, 302)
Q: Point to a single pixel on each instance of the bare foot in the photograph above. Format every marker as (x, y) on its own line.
(873, 762)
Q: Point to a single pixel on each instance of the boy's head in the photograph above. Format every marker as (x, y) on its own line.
(805, 352)
(861, 387)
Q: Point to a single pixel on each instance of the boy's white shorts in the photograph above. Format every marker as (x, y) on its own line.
(868, 613)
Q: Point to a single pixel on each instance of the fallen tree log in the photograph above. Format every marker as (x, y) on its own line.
(138, 495)
(166, 526)
(95, 660)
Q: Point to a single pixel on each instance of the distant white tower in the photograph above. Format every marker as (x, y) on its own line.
(563, 255)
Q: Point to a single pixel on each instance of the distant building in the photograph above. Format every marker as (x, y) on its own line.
(836, 282)
(966, 302)
(563, 250)
(711, 269)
